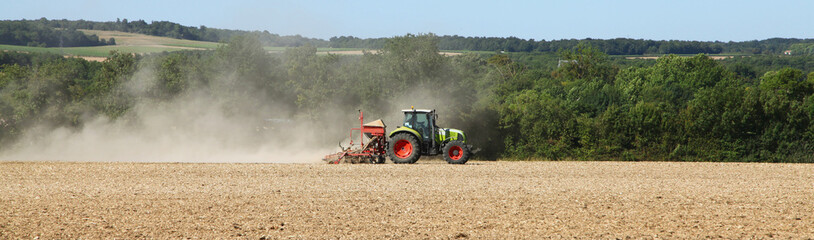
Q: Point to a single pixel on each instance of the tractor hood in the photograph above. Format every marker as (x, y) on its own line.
(450, 134)
(443, 135)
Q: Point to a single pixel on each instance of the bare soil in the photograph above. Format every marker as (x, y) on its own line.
(89, 58)
(491, 200)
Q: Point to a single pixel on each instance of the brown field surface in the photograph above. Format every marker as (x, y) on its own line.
(482, 200)
(95, 59)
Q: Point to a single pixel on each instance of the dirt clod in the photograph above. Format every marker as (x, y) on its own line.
(461, 235)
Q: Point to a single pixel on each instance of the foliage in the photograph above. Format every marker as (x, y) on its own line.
(524, 106)
(755, 66)
(679, 109)
(584, 62)
(673, 79)
(802, 49)
(38, 33)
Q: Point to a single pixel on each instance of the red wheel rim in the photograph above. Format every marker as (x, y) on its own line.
(455, 152)
(403, 148)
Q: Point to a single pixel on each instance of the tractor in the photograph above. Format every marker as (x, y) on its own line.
(417, 136)
(420, 136)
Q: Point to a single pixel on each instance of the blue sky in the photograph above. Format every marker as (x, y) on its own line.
(708, 20)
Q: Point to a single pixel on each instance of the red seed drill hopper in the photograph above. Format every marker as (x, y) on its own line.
(371, 152)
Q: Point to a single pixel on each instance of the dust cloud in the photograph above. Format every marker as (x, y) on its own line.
(221, 121)
(200, 125)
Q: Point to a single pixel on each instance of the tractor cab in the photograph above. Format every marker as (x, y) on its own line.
(423, 122)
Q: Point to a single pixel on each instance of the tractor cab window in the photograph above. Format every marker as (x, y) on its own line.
(409, 120)
(419, 122)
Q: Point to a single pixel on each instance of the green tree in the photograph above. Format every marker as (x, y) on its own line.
(106, 91)
(787, 81)
(585, 62)
(538, 126)
(673, 79)
(413, 59)
(505, 66)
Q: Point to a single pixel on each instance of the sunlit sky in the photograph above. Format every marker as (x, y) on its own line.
(707, 20)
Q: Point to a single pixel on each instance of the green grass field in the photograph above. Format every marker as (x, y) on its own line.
(195, 44)
(100, 51)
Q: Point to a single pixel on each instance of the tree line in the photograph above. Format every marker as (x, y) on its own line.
(587, 107)
(617, 46)
(41, 34)
(680, 108)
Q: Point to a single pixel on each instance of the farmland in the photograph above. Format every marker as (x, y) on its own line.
(125, 42)
(141, 44)
(427, 200)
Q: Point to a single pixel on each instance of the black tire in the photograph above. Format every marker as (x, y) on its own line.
(399, 156)
(455, 152)
(380, 159)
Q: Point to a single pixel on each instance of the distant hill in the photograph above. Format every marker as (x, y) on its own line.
(617, 46)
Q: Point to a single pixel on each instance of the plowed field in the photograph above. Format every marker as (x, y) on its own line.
(491, 200)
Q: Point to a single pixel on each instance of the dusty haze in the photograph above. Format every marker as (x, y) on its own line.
(196, 126)
(207, 125)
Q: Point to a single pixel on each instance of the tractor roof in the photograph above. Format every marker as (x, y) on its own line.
(418, 110)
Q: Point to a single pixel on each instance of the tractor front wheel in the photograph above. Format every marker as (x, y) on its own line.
(456, 153)
(403, 148)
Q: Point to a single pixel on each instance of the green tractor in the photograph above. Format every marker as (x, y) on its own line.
(420, 136)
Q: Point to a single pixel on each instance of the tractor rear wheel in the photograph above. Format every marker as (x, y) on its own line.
(403, 148)
(456, 153)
